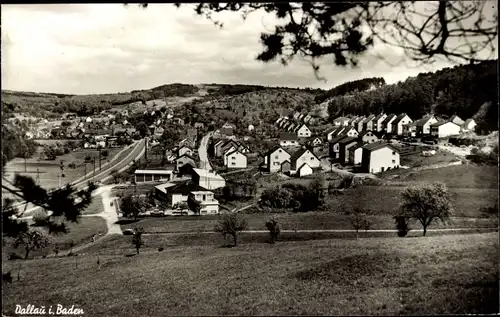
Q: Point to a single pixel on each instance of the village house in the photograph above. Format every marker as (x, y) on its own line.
(302, 157)
(183, 160)
(207, 203)
(291, 127)
(250, 128)
(184, 150)
(274, 158)
(397, 124)
(424, 124)
(221, 148)
(288, 139)
(360, 125)
(356, 121)
(207, 179)
(377, 122)
(379, 157)
(410, 129)
(308, 119)
(344, 146)
(341, 121)
(356, 153)
(285, 167)
(331, 133)
(303, 131)
(368, 137)
(334, 146)
(235, 159)
(469, 125)
(314, 141)
(387, 123)
(445, 129)
(143, 176)
(280, 119)
(304, 170)
(351, 120)
(368, 123)
(350, 132)
(456, 119)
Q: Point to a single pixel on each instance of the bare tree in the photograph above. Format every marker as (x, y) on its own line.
(358, 220)
(274, 228)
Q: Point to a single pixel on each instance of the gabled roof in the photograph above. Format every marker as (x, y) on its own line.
(220, 142)
(276, 147)
(339, 131)
(348, 140)
(362, 134)
(379, 145)
(285, 161)
(185, 188)
(303, 165)
(301, 152)
(437, 124)
(333, 129)
(424, 120)
(235, 151)
(399, 118)
(207, 173)
(469, 121)
(358, 120)
(357, 146)
(389, 118)
(288, 136)
(351, 120)
(369, 118)
(338, 138)
(299, 126)
(185, 155)
(379, 116)
(455, 117)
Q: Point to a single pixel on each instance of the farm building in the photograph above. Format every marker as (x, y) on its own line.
(445, 129)
(143, 176)
(379, 157)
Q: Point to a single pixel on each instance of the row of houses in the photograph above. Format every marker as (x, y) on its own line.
(402, 124)
(232, 152)
(300, 163)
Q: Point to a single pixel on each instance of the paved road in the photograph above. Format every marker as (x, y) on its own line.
(202, 152)
(104, 174)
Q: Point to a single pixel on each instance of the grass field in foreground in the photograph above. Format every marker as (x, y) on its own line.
(455, 274)
(299, 221)
(79, 233)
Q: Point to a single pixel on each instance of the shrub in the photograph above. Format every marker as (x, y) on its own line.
(402, 225)
(274, 228)
(231, 224)
(15, 256)
(40, 218)
(160, 249)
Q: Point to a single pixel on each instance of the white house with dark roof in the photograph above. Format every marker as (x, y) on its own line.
(301, 157)
(207, 179)
(377, 122)
(469, 125)
(445, 129)
(368, 123)
(303, 131)
(397, 124)
(387, 123)
(288, 139)
(456, 119)
(379, 157)
(341, 121)
(356, 153)
(275, 157)
(424, 124)
(235, 159)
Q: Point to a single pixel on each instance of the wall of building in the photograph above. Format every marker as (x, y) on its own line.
(382, 159)
(275, 160)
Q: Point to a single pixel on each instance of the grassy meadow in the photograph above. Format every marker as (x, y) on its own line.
(452, 274)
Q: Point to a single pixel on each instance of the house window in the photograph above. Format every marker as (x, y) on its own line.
(393, 153)
(276, 157)
(234, 163)
(279, 150)
(312, 158)
(233, 157)
(393, 161)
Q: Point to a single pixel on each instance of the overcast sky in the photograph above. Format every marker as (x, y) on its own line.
(109, 48)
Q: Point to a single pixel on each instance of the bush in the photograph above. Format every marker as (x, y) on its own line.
(160, 249)
(402, 225)
(40, 219)
(274, 228)
(15, 256)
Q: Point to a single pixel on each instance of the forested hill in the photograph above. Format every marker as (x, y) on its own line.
(351, 87)
(460, 90)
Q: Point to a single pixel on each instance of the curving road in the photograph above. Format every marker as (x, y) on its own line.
(82, 183)
(202, 152)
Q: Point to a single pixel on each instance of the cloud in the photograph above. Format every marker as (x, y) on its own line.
(106, 48)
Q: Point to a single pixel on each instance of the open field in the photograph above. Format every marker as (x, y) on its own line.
(453, 274)
(461, 176)
(49, 170)
(417, 160)
(79, 233)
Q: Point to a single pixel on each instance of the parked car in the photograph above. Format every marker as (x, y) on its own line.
(430, 140)
(128, 232)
